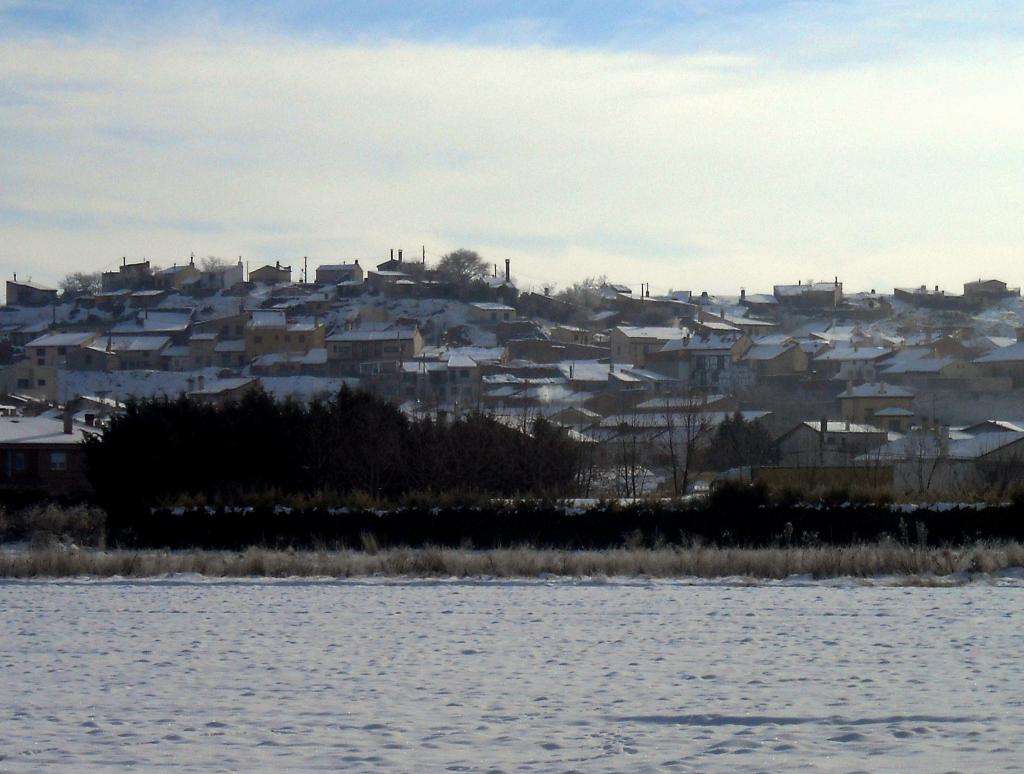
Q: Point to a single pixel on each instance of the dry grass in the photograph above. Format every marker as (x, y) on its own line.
(867, 560)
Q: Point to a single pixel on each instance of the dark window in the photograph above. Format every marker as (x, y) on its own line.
(58, 460)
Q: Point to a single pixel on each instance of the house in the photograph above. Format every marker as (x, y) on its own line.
(773, 360)
(177, 277)
(271, 275)
(878, 403)
(202, 350)
(336, 273)
(392, 265)
(220, 392)
(760, 303)
(52, 349)
(571, 334)
(709, 362)
(230, 353)
(29, 293)
(456, 380)
(371, 344)
(984, 292)
(312, 363)
(813, 295)
(850, 362)
(633, 344)
(231, 326)
(269, 331)
(918, 367)
(383, 280)
(828, 443)
(222, 277)
(129, 276)
(959, 465)
(120, 353)
(931, 298)
(1005, 361)
(490, 312)
(43, 453)
(175, 323)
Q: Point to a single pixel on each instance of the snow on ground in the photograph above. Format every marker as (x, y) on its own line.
(192, 675)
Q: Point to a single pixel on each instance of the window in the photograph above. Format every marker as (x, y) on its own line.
(19, 461)
(40, 383)
(258, 339)
(58, 460)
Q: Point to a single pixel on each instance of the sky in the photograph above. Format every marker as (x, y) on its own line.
(689, 144)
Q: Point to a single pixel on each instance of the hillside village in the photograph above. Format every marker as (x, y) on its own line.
(923, 386)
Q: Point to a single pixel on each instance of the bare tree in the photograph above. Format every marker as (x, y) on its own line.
(686, 420)
(462, 267)
(213, 263)
(81, 283)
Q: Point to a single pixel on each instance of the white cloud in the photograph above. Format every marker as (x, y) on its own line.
(688, 172)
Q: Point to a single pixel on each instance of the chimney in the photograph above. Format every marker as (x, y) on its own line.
(399, 256)
(277, 265)
(823, 426)
(936, 288)
(743, 294)
(392, 253)
(357, 261)
(424, 259)
(508, 273)
(69, 417)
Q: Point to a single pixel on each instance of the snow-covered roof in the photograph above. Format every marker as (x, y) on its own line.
(767, 351)
(847, 353)
(134, 343)
(841, 426)
(876, 390)
(661, 333)
(894, 411)
(491, 306)
(220, 386)
(584, 370)
(712, 342)
(916, 360)
(460, 360)
(230, 345)
(41, 430)
(62, 340)
(267, 318)
(718, 325)
(361, 334)
(32, 285)
(1011, 354)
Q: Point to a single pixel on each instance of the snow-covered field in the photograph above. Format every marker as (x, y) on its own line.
(509, 676)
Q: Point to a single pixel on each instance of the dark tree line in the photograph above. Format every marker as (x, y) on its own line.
(354, 442)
